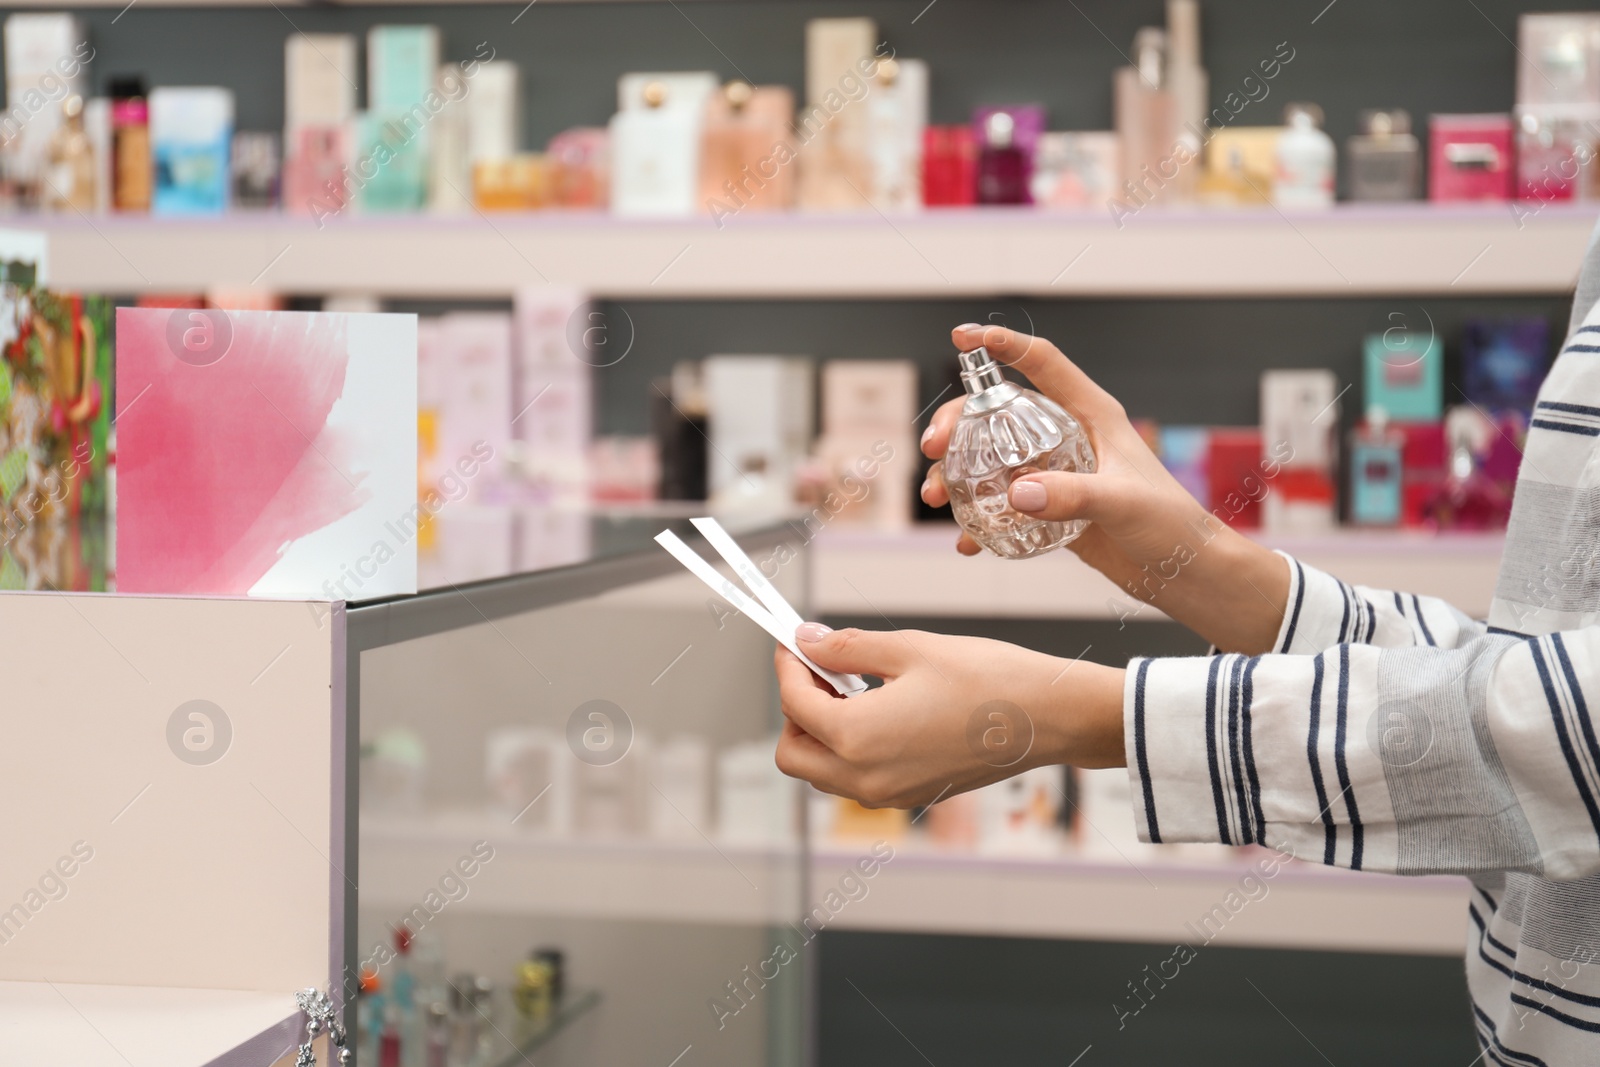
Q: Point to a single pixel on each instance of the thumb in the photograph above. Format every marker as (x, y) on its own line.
(881, 653)
(1060, 495)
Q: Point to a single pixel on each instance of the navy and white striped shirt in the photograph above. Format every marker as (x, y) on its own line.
(1389, 732)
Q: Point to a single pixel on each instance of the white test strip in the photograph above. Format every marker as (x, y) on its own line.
(783, 612)
(845, 684)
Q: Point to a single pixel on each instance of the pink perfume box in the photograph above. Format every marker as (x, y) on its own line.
(1470, 157)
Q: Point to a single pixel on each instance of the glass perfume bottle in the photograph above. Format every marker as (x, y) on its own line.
(1002, 165)
(1004, 432)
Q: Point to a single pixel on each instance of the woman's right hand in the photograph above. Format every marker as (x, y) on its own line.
(1146, 533)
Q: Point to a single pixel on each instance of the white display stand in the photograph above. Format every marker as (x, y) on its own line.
(171, 869)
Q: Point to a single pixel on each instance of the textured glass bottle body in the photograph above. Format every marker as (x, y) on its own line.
(1004, 433)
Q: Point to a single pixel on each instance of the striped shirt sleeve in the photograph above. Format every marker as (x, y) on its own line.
(1323, 611)
(1414, 759)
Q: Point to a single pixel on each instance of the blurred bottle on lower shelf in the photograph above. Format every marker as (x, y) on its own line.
(1377, 451)
(1469, 498)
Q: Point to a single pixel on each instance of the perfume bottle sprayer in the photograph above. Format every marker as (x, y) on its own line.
(1005, 432)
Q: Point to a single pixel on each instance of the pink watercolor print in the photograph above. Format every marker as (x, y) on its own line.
(221, 467)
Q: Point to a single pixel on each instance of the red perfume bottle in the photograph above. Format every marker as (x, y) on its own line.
(949, 166)
(1002, 165)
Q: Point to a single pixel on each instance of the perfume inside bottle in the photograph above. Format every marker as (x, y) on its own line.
(1006, 431)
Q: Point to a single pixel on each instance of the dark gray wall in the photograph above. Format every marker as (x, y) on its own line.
(982, 1001)
(1171, 360)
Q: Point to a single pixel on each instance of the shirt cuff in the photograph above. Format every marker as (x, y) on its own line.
(1323, 612)
(1169, 726)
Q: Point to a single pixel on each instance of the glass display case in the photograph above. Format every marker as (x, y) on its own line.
(575, 763)
(529, 814)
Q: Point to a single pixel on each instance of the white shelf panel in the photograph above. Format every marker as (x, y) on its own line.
(1413, 250)
(1133, 893)
(691, 881)
(1161, 900)
(142, 1026)
(919, 573)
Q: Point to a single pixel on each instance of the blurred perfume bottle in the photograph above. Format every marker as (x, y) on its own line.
(1226, 182)
(897, 114)
(369, 1016)
(69, 158)
(130, 145)
(1306, 158)
(835, 165)
(1470, 157)
(1002, 165)
(580, 165)
(522, 182)
(255, 170)
(314, 177)
(949, 166)
(655, 155)
(1555, 157)
(1186, 78)
(1385, 159)
(389, 1038)
(1469, 499)
(533, 993)
(1075, 169)
(1376, 471)
(1156, 164)
(745, 152)
(438, 1050)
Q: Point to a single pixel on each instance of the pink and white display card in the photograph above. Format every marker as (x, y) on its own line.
(268, 453)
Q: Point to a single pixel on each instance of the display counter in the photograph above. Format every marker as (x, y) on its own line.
(562, 743)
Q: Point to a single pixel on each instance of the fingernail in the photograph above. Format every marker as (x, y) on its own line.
(927, 434)
(927, 484)
(1028, 496)
(812, 631)
(965, 326)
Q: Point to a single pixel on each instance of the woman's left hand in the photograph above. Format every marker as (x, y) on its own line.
(953, 714)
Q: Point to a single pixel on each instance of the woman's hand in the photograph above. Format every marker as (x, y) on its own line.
(954, 713)
(1147, 534)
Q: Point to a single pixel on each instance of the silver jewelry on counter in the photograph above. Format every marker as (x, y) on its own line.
(320, 1013)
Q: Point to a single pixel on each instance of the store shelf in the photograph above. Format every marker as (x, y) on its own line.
(918, 573)
(526, 1037)
(115, 1026)
(1414, 250)
(1154, 895)
(705, 881)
